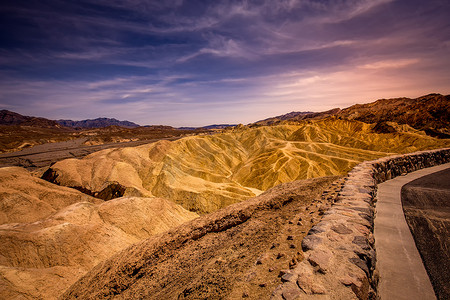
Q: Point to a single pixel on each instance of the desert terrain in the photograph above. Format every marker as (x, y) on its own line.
(216, 215)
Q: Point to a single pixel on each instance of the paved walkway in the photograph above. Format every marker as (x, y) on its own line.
(402, 274)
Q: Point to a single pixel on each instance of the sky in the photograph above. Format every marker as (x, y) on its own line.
(195, 63)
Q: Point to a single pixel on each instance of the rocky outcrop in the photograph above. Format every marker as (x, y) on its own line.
(340, 256)
(429, 113)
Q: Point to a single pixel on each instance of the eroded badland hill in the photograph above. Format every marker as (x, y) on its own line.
(205, 173)
(202, 216)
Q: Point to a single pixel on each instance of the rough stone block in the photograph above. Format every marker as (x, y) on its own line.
(310, 242)
(321, 259)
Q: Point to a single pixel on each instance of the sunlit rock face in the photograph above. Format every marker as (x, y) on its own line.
(205, 173)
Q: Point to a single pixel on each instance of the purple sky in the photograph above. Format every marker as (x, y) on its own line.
(194, 63)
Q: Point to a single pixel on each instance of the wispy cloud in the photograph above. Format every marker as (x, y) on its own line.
(387, 64)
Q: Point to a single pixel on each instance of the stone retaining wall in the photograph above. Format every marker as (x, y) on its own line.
(339, 251)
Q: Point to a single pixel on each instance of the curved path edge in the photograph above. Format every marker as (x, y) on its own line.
(340, 254)
(402, 272)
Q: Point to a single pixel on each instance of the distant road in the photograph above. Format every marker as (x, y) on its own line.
(46, 154)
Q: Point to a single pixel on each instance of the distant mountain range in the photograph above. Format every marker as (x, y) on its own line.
(11, 118)
(430, 113)
(97, 123)
(209, 127)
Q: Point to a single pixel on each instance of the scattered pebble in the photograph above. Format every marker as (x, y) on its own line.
(274, 245)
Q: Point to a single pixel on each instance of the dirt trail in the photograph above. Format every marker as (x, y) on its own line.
(239, 251)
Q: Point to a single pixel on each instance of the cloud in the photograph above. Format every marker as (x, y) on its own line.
(387, 64)
(222, 47)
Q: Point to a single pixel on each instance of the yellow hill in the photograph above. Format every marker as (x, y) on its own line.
(205, 173)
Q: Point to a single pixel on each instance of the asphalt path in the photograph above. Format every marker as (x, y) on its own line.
(426, 204)
(402, 272)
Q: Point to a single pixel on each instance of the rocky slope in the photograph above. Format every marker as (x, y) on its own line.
(430, 113)
(24, 198)
(233, 253)
(205, 173)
